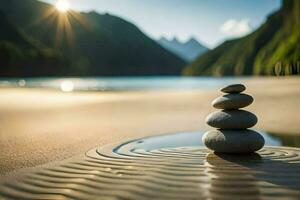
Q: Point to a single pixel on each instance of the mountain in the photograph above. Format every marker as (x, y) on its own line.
(21, 55)
(274, 48)
(90, 43)
(188, 50)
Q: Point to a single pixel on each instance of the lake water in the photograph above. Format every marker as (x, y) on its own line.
(142, 83)
(124, 83)
(184, 139)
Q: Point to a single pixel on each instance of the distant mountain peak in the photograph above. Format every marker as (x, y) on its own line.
(163, 39)
(192, 40)
(188, 50)
(175, 39)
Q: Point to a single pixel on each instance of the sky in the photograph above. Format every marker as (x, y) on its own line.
(209, 21)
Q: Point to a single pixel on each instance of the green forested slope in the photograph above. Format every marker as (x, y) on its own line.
(272, 49)
(90, 43)
(23, 56)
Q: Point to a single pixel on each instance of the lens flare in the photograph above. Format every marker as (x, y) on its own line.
(67, 86)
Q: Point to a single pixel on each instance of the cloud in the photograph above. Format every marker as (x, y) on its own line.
(236, 28)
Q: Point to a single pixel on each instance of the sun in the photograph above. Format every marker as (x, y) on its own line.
(62, 6)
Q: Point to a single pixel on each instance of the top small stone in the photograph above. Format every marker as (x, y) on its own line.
(234, 88)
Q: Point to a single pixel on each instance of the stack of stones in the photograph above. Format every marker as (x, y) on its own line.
(232, 135)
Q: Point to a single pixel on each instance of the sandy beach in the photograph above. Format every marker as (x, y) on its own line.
(40, 126)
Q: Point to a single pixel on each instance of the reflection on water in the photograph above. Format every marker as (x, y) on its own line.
(121, 83)
(271, 172)
(185, 139)
(287, 140)
(67, 86)
(227, 173)
(22, 83)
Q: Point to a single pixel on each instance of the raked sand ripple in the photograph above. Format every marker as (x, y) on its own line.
(127, 172)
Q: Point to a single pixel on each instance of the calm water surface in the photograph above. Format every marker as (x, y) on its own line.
(194, 139)
(124, 83)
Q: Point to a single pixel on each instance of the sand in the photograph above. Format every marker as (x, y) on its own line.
(40, 126)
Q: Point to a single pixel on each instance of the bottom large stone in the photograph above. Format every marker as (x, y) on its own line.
(233, 141)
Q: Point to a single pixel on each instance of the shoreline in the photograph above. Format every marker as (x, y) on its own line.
(39, 126)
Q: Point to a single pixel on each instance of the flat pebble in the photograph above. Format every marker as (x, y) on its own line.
(234, 88)
(233, 141)
(232, 101)
(231, 119)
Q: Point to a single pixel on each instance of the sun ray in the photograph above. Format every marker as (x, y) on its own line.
(83, 22)
(49, 14)
(65, 21)
(69, 32)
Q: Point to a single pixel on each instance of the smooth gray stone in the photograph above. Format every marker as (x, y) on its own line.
(232, 101)
(233, 141)
(231, 119)
(234, 88)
